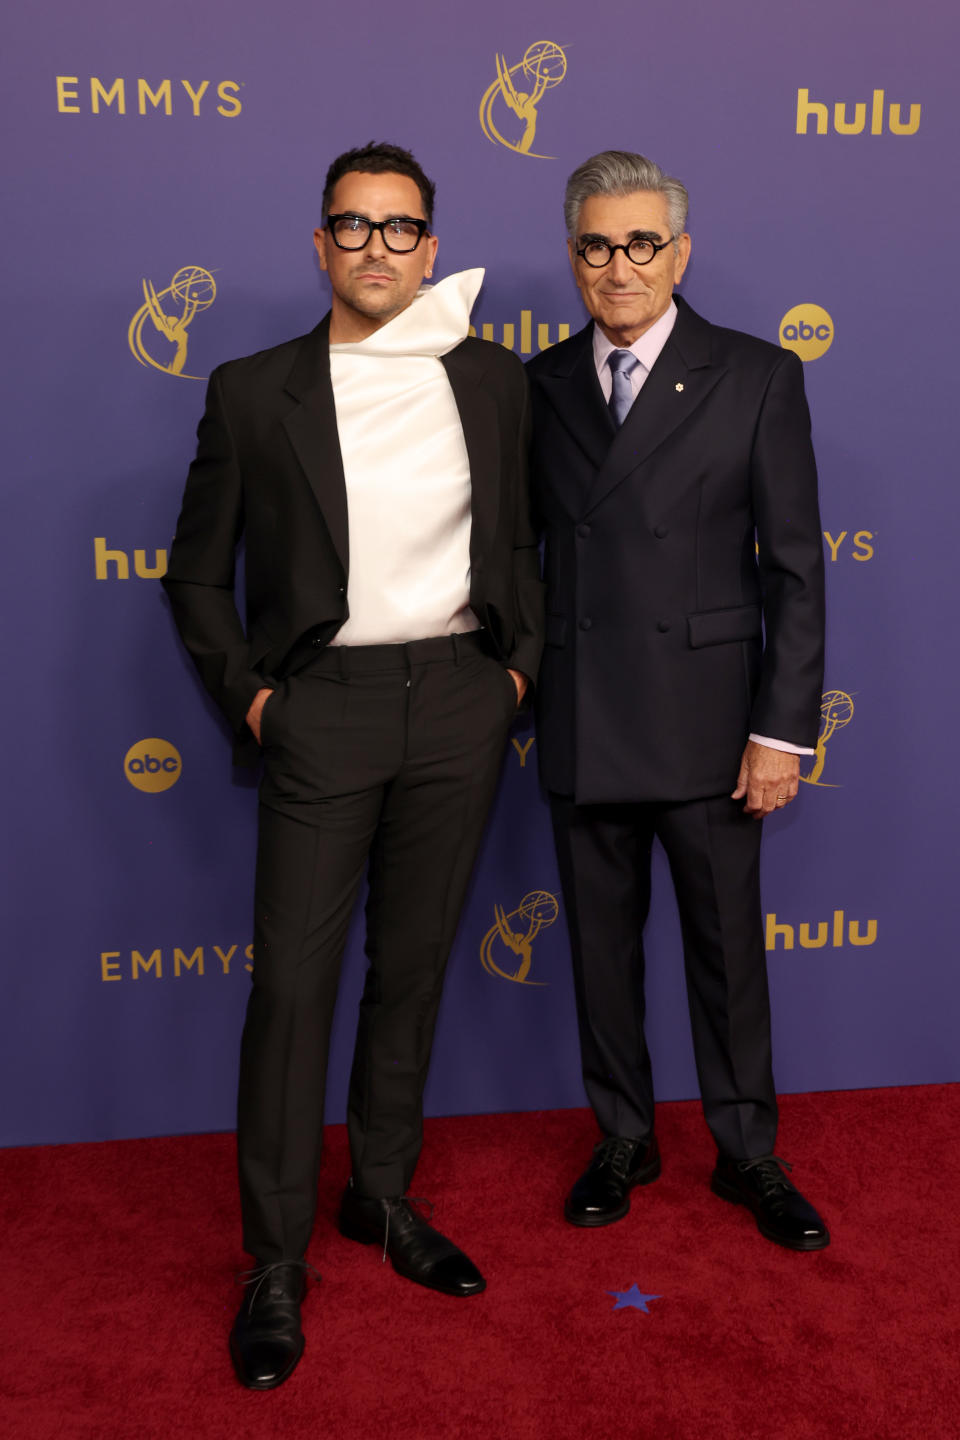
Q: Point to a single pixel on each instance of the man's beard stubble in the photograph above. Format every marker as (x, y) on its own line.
(375, 305)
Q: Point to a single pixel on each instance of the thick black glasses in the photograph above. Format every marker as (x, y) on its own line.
(597, 251)
(400, 233)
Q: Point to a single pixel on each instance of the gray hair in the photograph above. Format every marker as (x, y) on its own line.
(620, 172)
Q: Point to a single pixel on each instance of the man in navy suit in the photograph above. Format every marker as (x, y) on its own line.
(682, 673)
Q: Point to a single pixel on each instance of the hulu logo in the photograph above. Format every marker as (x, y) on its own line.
(845, 123)
(110, 564)
(509, 340)
(834, 933)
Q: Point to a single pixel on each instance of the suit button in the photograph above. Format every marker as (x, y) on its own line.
(342, 590)
(583, 531)
(586, 623)
(316, 641)
(661, 532)
(663, 626)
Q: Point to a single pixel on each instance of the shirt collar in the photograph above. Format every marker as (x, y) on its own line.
(647, 348)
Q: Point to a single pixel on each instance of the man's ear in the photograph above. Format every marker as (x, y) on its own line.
(572, 257)
(320, 245)
(432, 244)
(681, 257)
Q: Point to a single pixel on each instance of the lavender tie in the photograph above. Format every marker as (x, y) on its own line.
(622, 365)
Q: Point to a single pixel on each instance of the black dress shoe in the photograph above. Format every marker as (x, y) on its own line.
(781, 1212)
(602, 1194)
(266, 1340)
(416, 1250)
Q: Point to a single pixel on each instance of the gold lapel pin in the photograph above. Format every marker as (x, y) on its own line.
(679, 386)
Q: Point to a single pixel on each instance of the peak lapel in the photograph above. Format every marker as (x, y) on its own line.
(312, 430)
(682, 377)
(573, 390)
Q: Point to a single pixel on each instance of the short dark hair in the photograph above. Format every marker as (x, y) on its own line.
(379, 158)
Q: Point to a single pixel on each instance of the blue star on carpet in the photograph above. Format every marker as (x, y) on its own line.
(633, 1299)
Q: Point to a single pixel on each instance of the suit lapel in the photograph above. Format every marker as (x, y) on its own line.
(574, 392)
(312, 431)
(681, 379)
(481, 433)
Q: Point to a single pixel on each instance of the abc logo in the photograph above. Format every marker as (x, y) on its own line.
(152, 765)
(807, 330)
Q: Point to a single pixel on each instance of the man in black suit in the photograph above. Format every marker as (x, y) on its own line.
(377, 468)
(682, 672)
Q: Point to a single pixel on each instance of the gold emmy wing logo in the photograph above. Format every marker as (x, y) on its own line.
(171, 313)
(152, 765)
(536, 911)
(520, 88)
(836, 711)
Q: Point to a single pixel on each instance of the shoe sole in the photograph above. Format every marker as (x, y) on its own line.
(586, 1222)
(266, 1384)
(733, 1197)
(363, 1237)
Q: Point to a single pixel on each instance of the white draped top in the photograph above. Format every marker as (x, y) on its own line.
(406, 471)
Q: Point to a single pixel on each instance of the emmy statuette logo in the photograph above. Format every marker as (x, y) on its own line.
(152, 765)
(519, 89)
(807, 330)
(509, 942)
(836, 711)
(170, 313)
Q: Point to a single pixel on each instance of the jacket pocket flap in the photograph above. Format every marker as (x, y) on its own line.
(718, 627)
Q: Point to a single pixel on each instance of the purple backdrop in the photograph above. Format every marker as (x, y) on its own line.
(162, 224)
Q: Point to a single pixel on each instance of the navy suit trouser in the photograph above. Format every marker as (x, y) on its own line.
(713, 849)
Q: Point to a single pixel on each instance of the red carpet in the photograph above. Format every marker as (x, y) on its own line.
(117, 1295)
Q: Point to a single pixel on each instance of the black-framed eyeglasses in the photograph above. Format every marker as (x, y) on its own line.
(400, 233)
(594, 250)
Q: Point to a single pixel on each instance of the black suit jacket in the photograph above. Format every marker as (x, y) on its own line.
(670, 636)
(268, 466)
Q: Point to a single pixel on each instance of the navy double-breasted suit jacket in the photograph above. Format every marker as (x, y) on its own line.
(683, 562)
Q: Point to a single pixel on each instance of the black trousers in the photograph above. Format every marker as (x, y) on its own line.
(714, 854)
(381, 754)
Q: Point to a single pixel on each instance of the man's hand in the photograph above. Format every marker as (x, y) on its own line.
(256, 710)
(768, 778)
(521, 682)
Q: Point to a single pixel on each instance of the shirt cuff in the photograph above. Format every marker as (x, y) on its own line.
(782, 745)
